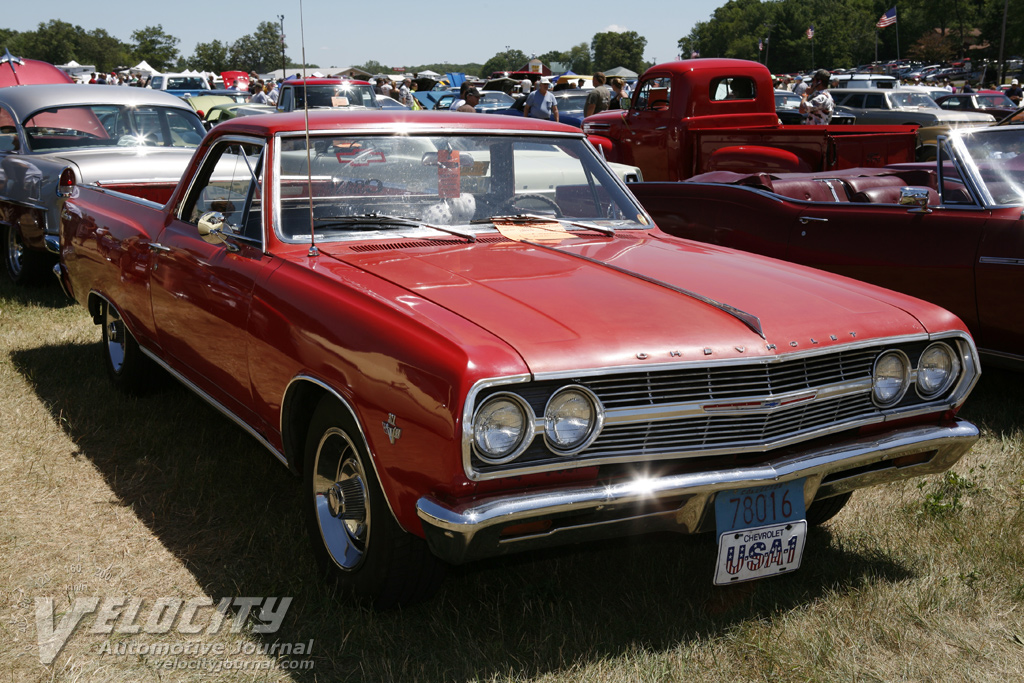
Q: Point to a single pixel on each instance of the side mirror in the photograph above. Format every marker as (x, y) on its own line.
(916, 197)
(211, 229)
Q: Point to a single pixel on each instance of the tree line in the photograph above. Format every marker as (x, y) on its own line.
(846, 35)
(59, 42)
(262, 51)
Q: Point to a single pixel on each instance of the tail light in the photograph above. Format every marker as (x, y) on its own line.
(66, 184)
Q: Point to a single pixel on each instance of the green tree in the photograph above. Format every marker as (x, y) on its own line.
(374, 67)
(613, 49)
(508, 60)
(55, 41)
(212, 56)
(159, 49)
(260, 51)
(104, 51)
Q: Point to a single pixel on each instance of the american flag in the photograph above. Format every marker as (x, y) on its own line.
(888, 19)
(760, 45)
(810, 32)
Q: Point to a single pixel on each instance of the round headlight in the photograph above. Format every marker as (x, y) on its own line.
(891, 378)
(936, 370)
(502, 428)
(572, 420)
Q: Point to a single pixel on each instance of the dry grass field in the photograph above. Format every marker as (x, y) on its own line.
(103, 496)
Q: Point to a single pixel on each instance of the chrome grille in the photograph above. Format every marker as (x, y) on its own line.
(735, 433)
(710, 383)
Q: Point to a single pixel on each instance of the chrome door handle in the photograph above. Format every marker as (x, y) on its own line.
(804, 220)
(156, 246)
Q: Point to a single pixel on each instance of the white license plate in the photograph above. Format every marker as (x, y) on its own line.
(745, 554)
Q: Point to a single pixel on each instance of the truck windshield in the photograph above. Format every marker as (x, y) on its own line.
(444, 180)
(112, 125)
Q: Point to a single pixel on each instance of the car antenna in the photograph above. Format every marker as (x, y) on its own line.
(313, 251)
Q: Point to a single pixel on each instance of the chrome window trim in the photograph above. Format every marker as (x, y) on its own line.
(246, 139)
(954, 397)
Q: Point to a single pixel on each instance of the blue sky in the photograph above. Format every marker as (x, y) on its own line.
(398, 33)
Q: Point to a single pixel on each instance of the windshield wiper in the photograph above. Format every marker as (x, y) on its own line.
(381, 219)
(529, 217)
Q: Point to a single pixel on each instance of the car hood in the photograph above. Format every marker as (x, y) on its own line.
(598, 302)
(137, 164)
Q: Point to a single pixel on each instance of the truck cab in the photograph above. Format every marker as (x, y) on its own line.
(702, 115)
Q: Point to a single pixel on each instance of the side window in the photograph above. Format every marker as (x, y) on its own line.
(285, 103)
(732, 88)
(230, 183)
(853, 99)
(8, 132)
(875, 101)
(654, 94)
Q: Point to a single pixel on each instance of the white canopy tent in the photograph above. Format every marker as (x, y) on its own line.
(143, 68)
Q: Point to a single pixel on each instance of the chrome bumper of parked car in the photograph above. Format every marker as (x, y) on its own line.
(495, 525)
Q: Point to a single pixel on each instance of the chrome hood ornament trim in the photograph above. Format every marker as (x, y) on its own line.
(748, 319)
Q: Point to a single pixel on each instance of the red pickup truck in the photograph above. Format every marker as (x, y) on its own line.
(705, 115)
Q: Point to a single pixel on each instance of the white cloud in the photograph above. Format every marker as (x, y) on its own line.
(614, 28)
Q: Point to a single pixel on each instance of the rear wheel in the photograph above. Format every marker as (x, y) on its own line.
(355, 537)
(825, 509)
(23, 266)
(128, 368)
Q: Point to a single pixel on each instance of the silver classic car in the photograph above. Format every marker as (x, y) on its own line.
(132, 140)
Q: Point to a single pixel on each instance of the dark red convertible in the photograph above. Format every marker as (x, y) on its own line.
(948, 232)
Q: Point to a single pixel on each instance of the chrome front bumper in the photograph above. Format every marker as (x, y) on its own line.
(679, 502)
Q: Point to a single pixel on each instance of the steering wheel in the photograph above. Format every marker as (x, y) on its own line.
(510, 205)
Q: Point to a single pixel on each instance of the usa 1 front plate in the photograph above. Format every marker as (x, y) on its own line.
(761, 531)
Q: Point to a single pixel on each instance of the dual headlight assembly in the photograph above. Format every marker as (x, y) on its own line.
(505, 425)
(937, 369)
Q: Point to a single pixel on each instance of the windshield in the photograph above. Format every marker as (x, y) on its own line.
(334, 96)
(912, 99)
(995, 101)
(571, 105)
(996, 155)
(187, 83)
(113, 125)
(443, 180)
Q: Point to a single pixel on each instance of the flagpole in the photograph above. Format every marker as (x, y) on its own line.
(897, 18)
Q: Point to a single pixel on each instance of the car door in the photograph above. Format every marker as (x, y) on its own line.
(202, 288)
(1000, 281)
(650, 124)
(927, 255)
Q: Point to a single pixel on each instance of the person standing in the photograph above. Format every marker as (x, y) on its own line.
(799, 86)
(1014, 92)
(472, 99)
(541, 104)
(599, 98)
(817, 101)
(616, 84)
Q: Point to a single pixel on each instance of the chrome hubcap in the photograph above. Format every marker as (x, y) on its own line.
(115, 338)
(15, 252)
(340, 497)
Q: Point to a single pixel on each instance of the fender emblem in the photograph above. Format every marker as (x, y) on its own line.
(394, 433)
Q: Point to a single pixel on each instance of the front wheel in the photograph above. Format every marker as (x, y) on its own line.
(355, 537)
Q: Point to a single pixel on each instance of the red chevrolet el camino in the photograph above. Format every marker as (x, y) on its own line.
(469, 339)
